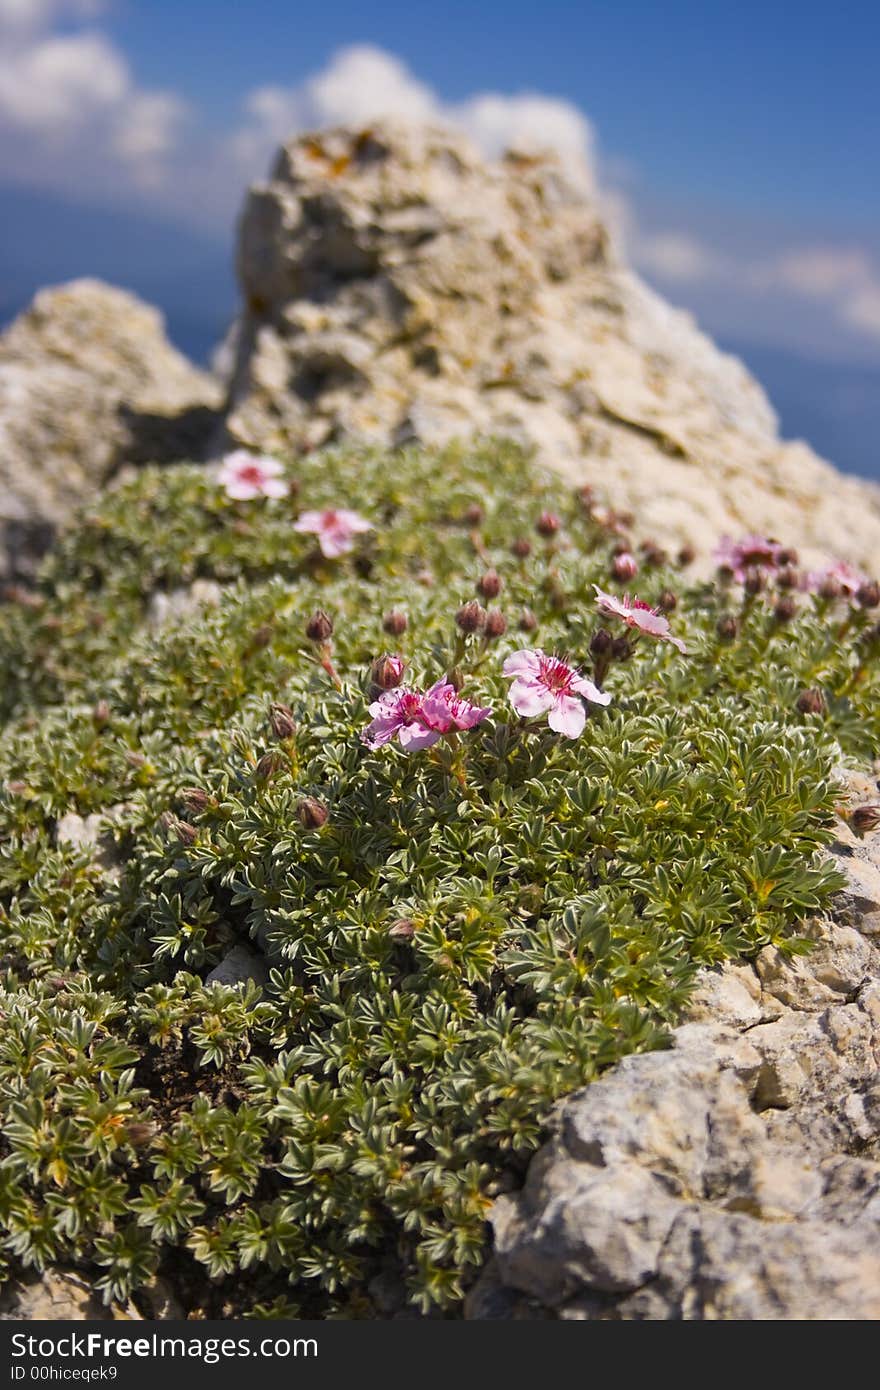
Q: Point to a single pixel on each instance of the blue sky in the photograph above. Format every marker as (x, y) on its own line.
(735, 144)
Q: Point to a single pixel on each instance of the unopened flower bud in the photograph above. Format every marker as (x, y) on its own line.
(281, 721)
(686, 556)
(864, 819)
(621, 648)
(186, 834)
(586, 496)
(471, 617)
(270, 763)
(17, 788)
(787, 578)
(868, 595)
(101, 714)
(261, 638)
(785, 609)
(395, 623)
(311, 813)
(387, 671)
(135, 759)
(319, 628)
(195, 799)
(404, 929)
(601, 642)
(496, 623)
(787, 557)
(811, 702)
(474, 514)
(624, 566)
(521, 547)
(527, 621)
(667, 601)
(548, 524)
(727, 627)
(489, 584)
(830, 587)
(754, 581)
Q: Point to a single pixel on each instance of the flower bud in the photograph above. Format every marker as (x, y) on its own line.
(521, 547)
(496, 623)
(282, 721)
(830, 587)
(527, 621)
(395, 623)
(135, 759)
(686, 556)
(667, 601)
(474, 514)
(785, 609)
(868, 595)
(186, 834)
(404, 929)
(727, 627)
(787, 578)
(548, 524)
(387, 671)
(653, 554)
(864, 819)
(621, 648)
(624, 566)
(311, 813)
(586, 496)
(601, 642)
(195, 800)
(270, 763)
(101, 714)
(754, 581)
(17, 788)
(787, 557)
(319, 628)
(811, 702)
(471, 617)
(261, 638)
(489, 584)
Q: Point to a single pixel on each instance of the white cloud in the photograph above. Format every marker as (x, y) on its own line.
(363, 83)
(677, 256)
(73, 95)
(822, 272)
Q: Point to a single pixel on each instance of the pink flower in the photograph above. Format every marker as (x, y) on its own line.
(840, 576)
(639, 615)
(547, 685)
(420, 719)
(625, 566)
(245, 476)
(752, 552)
(335, 529)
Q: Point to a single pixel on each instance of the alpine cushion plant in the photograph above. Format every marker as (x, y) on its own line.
(455, 935)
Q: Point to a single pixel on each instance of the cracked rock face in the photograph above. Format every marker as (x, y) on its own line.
(736, 1176)
(87, 380)
(397, 287)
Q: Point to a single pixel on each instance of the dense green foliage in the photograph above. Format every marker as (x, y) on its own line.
(477, 929)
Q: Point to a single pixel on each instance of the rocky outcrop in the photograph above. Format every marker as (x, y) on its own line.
(88, 380)
(735, 1177)
(397, 287)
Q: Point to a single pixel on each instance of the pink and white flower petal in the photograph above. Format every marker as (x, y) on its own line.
(589, 691)
(567, 716)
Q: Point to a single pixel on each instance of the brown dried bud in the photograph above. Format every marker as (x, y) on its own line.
(101, 714)
(686, 556)
(311, 813)
(186, 834)
(270, 764)
(755, 581)
(601, 642)
(788, 556)
(471, 617)
(496, 623)
(667, 601)
(811, 702)
(474, 514)
(621, 647)
(282, 721)
(489, 584)
(395, 623)
(727, 627)
(787, 578)
(868, 595)
(387, 671)
(830, 587)
(195, 800)
(139, 1133)
(653, 554)
(527, 621)
(548, 524)
(521, 548)
(404, 929)
(864, 819)
(319, 628)
(785, 609)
